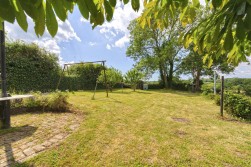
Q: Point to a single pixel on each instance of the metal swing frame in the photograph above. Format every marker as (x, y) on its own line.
(66, 65)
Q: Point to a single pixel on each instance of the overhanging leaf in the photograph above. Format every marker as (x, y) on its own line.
(6, 11)
(83, 8)
(240, 33)
(51, 21)
(229, 41)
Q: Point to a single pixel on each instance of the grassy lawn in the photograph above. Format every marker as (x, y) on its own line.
(150, 128)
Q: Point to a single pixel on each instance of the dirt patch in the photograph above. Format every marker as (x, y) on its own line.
(180, 133)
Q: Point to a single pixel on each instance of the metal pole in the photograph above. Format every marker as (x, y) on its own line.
(5, 104)
(214, 82)
(222, 96)
(105, 79)
(60, 77)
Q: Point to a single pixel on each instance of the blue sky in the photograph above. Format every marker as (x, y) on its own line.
(76, 41)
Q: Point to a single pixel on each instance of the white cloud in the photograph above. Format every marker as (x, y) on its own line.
(65, 33)
(92, 43)
(51, 44)
(123, 14)
(122, 41)
(108, 47)
(83, 20)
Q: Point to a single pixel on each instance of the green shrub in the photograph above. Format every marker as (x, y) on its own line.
(238, 105)
(207, 88)
(56, 101)
(217, 99)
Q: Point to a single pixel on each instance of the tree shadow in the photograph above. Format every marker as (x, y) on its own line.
(6, 140)
(178, 92)
(26, 110)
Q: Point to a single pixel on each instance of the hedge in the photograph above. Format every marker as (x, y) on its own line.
(31, 68)
(238, 105)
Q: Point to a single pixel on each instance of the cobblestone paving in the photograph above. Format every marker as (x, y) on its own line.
(34, 134)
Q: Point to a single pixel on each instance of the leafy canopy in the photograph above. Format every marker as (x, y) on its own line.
(226, 31)
(44, 13)
(112, 77)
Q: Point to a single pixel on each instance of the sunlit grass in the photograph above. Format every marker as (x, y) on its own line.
(150, 128)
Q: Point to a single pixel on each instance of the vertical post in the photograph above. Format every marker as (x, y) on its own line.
(105, 79)
(214, 82)
(5, 105)
(222, 96)
(60, 77)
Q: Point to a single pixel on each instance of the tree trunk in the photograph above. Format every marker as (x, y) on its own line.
(165, 79)
(161, 76)
(170, 78)
(197, 80)
(134, 87)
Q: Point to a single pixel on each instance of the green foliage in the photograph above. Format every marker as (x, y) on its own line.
(81, 77)
(30, 68)
(216, 99)
(156, 49)
(112, 77)
(44, 12)
(208, 88)
(133, 77)
(183, 85)
(239, 85)
(225, 32)
(238, 105)
(55, 101)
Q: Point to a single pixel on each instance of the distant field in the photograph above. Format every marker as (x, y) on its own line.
(151, 128)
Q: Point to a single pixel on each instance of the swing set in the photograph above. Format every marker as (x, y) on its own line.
(66, 68)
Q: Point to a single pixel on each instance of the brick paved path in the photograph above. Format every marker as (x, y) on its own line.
(34, 134)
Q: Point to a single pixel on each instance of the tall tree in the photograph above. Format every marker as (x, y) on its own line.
(195, 65)
(156, 49)
(227, 31)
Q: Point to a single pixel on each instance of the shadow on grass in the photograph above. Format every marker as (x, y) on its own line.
(14, 134)
(178, 92)
(26, 110)
(235, 120)
(107, 99)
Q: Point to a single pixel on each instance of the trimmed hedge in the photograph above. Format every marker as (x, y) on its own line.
(235, 104)
(238, 105)
(30, 68)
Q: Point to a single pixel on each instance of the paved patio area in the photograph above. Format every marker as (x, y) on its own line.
(33, 133)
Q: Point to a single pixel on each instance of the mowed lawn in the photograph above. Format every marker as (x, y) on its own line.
(151, 128)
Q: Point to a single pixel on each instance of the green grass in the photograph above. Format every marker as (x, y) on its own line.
(150, 128)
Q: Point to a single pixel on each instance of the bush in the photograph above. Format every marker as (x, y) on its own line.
(155, 86)
(208, 88)
(56, 101)
(238, 105)
(217, 99)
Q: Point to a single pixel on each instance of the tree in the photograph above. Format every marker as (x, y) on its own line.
(227, 31)
(133, 77)
(156, 49)
(194, 64)
(113, 76)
